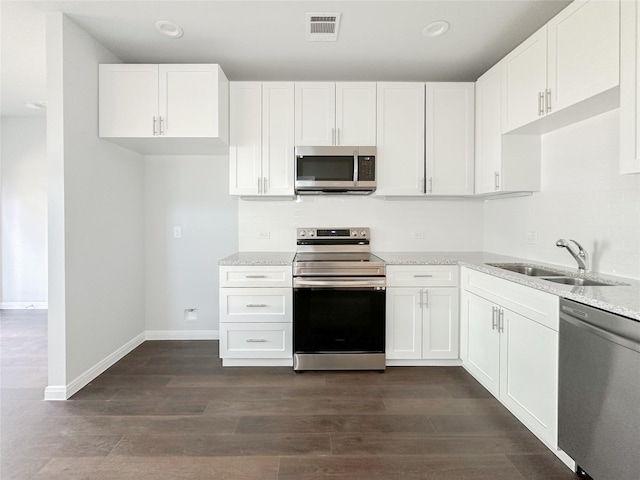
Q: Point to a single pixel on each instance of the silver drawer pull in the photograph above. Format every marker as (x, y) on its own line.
(423, 276)
(256, 340)
(255, 276)
(257, 305)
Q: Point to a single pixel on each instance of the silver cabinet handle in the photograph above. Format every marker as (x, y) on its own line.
(423, 276)
(338, 137)
(494, 318)
(548, 99)
(264, 185)
(426, 298)
(256, 340)
(160, 124)
(155, 122)
(540, 104)
(501, 320)
(255, 276)
(496, 180)
(420, 301)
(257, 305)
(259, 185)
(430, 184)
(333, 136)
(422, 186)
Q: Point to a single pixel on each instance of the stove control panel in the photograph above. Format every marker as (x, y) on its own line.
(329, 234)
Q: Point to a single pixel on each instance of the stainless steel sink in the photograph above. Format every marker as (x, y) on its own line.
(581, 282)
(528, 270)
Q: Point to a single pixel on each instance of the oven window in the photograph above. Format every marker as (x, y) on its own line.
(338, 320)
(325, 169)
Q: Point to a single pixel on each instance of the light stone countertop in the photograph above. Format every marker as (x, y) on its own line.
(262, 259)
(620, 299)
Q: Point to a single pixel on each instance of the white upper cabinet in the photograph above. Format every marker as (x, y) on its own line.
(630, 87)
(261, 152)
(128, 100)
(584, 52)
(524, 80)
(187, 106)
(330, 113)
(503, 163)
(449, 138)
(356, 113)
(573, 58)
(400, 139)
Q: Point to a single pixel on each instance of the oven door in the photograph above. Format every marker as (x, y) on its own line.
(339, 316)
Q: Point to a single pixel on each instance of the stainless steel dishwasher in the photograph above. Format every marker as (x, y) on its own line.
(599, 391)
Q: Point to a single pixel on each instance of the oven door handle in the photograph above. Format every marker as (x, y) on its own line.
(335, 283)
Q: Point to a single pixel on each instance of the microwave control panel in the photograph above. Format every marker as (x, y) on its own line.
(366, 168)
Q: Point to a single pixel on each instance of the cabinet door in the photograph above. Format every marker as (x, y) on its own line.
(482, 357)
(524, 79)
(529, 373)
(404, 323)
(189, 100)
(629, 87)
(128, 100)
(584, 51)
(278, 153)
(315, 113)
(488, 155)
(400, 139)
(440, 323)
(449, 138)
(245, 149)
(356, 113)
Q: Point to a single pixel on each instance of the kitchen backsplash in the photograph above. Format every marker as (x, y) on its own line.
(396, 225)
(583, 197)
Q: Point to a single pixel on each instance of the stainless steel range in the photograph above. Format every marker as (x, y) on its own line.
(338, 301)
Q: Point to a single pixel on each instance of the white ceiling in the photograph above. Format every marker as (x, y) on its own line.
(265, 39)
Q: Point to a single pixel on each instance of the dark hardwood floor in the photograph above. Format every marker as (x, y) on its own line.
(170, 411)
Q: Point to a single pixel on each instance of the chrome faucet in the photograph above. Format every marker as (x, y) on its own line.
(581, 256)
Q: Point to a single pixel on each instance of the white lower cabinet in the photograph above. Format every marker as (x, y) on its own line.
(509, 343)
(422, 315)
(256, 318)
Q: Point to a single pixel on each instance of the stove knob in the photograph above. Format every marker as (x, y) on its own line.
(302, 233)
(312, 233)
(363, 233)
(354, 233)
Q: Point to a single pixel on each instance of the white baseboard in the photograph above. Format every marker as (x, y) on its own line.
(64, 392)
(182, 335)
(423, 363)
(24, 305)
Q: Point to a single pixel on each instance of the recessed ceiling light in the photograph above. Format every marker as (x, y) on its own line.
(435, 29)
(169, 29)
(36, 105)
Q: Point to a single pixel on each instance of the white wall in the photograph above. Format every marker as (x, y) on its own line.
(582, 197)
(190, 192)
(96, 257)
(446, 225)
(24, 212)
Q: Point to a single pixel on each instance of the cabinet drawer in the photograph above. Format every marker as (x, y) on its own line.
(256, 340)
(241, 305)
(252, 276)
(422, 276)
(534, 304)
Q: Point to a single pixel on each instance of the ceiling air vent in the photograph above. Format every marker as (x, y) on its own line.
(322, 27)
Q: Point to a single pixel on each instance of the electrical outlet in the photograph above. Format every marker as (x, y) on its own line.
(177, 232)
(532, 237)
(417, 235)
(264, 235)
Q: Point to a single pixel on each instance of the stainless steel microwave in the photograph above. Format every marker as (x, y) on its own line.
(335, 170)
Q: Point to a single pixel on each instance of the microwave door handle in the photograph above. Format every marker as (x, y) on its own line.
(355, 168)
